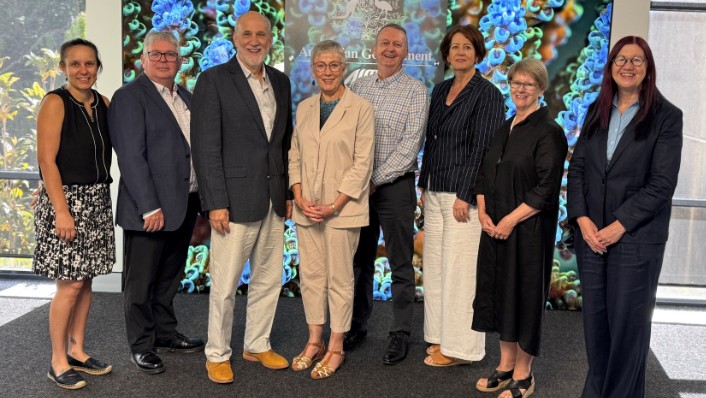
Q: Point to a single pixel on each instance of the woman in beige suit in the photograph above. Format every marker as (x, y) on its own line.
(330, 164)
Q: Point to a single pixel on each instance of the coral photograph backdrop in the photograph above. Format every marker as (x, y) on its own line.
(571, 36)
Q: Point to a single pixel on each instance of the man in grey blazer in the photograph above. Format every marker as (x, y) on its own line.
(157, 200)
(242, 128)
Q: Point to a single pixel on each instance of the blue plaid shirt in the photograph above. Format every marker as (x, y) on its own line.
(400, 104)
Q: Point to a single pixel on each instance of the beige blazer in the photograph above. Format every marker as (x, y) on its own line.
(336, 158)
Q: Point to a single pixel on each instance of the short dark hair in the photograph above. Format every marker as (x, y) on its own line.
(471, 33)
(79, 42)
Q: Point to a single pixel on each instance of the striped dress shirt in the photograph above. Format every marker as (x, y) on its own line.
(399, 103)
(459, 135)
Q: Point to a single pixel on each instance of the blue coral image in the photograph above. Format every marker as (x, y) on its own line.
(570, 37)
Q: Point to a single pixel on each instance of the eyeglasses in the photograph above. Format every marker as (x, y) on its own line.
(334, 66)
(635, 61)
(156, 56)
(527, 86)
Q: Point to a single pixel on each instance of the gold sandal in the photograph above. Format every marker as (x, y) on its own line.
(301, 362)
(323, 371)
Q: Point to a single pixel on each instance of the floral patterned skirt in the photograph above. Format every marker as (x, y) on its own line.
(92, 253)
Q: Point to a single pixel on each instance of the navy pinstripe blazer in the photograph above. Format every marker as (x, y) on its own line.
(459, 135)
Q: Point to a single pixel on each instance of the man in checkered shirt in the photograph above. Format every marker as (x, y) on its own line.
(401, 104)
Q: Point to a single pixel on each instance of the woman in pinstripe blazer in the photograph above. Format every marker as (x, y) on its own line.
(464, 113)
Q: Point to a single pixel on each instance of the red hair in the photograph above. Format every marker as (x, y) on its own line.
(650, 97)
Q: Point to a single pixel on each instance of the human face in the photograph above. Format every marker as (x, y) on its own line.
(252, 40)
(629, 77)
(525, 97)
(162, 71)
(390, 51)
(80, 66)
(462, 54)
(328, 80)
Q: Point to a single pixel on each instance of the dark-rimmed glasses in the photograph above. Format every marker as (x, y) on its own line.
(635, 61)
(156, 56)
(528, 86)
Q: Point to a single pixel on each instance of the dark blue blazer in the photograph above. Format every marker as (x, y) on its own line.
(153, 155)
(237, 167)
(459, 135)
(636, 188)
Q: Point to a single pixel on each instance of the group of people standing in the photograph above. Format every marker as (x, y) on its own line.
(345, 172)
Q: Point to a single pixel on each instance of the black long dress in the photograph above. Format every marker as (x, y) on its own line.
(513, 275)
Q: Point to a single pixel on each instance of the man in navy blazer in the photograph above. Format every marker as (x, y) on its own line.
(149, 121)
(242, 129)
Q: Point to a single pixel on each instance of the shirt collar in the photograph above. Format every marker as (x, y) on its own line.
(247, 71)
(391, 79)
(615, 102)
(161, 89)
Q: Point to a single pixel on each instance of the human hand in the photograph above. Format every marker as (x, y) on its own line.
(65, 226)
(154, 222)
(373, 187)
(460, 210)
(35, 197)
(611, 234)
(486, 223)
(589, 231)
(504, 228)
(309, 209)
(288, 215)
(219, 220)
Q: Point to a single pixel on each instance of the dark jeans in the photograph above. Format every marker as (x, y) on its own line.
(154, 265)
(392, 208)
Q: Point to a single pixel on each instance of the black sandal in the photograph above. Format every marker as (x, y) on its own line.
(498, 380)
(516, 385)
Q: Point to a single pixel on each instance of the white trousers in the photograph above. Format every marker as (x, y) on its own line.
(326, 272)
(262, 242)
(450, 255)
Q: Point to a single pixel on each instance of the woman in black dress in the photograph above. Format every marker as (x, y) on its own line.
(73, 215)
(518, 203)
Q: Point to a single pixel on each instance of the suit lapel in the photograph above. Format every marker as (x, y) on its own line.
(242, 85)
(281, 101)
(625, 140)
(153, 94)
(338, 112)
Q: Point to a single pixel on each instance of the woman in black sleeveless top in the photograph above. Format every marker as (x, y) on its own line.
(73, 217)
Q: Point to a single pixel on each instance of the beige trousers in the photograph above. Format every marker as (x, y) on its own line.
(450, 255)
(262, 242)
(326, 274)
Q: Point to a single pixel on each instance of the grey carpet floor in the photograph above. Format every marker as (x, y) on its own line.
(25, 356)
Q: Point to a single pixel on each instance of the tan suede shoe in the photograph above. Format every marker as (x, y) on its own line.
(268, 359)
(219, 372)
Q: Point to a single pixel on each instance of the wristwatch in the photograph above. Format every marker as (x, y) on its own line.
(335, 212)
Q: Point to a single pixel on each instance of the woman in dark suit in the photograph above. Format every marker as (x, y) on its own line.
(621, 180)
(518, 204)
(464, 113)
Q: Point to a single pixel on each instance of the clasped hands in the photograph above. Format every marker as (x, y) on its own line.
(501, 231)
(312, 211)
(598, 241)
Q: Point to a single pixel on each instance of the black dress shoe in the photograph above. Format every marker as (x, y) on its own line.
(70, 379)
(179, 343)
(91, 366)
(353, 339)
(396, 350)
(148, 362)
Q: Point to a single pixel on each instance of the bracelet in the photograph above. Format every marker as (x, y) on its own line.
(333, 207)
